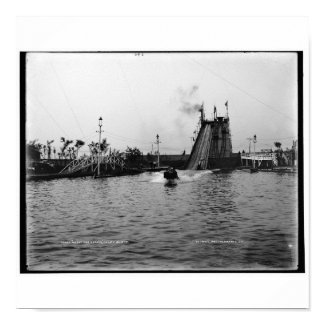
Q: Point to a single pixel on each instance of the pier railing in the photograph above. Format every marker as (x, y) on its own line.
(113, 161)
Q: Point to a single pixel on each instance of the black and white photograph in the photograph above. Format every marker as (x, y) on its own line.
(161, 161)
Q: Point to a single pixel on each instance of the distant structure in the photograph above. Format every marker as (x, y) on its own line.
(221, 146)
(32, 154)
(213, 147)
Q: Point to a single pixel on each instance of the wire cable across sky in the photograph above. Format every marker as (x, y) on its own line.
(67, 100)
(240, 89)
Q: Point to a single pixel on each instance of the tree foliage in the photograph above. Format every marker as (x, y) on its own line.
(94, 146)
(78, 145)
(65, 144)
(133, 154)
(49, 148)
(35, 145)
(279, 154)
(104, 146)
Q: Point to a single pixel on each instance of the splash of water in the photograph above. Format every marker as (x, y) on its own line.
(185, 176)
(192, 175)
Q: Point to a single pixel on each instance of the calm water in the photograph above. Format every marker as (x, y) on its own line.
(226, 221)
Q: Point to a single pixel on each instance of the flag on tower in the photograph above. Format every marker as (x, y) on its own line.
(226, 104)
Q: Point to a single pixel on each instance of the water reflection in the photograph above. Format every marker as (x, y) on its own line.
(207, 221)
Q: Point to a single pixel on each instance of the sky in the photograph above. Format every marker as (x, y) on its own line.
(140, 96)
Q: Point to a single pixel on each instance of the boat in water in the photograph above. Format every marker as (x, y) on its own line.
(171, 176)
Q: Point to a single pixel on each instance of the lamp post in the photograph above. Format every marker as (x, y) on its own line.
(100, 124)
(254, 141)
(157, 142)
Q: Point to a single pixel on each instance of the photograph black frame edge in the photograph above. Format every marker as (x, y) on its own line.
(22, 151)
(23, 214)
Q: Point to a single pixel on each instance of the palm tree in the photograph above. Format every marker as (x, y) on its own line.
(66, 143)
(115, 153)
(278, 153)
(69, 150)
(63, 147)
(48, 144)
(93, 148)
(78, 145)
(44, 151)
(74, 152)
(104, 146)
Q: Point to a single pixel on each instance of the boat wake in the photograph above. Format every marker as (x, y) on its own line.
(185, 176)
(192, 175)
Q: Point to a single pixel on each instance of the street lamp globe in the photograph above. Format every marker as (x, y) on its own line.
(100, 121)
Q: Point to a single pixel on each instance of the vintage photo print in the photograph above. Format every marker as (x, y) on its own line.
(162, 162)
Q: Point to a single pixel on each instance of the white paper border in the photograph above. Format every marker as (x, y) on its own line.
(152, 290)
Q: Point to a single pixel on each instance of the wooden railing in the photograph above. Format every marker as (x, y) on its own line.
(114, 161)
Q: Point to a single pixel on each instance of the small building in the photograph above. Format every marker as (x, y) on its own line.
(32, 154)
(260, 159)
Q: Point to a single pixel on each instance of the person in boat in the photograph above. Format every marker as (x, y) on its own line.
(171, 173)
(174, 172)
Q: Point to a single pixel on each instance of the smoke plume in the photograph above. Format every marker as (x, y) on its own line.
(188, 100)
